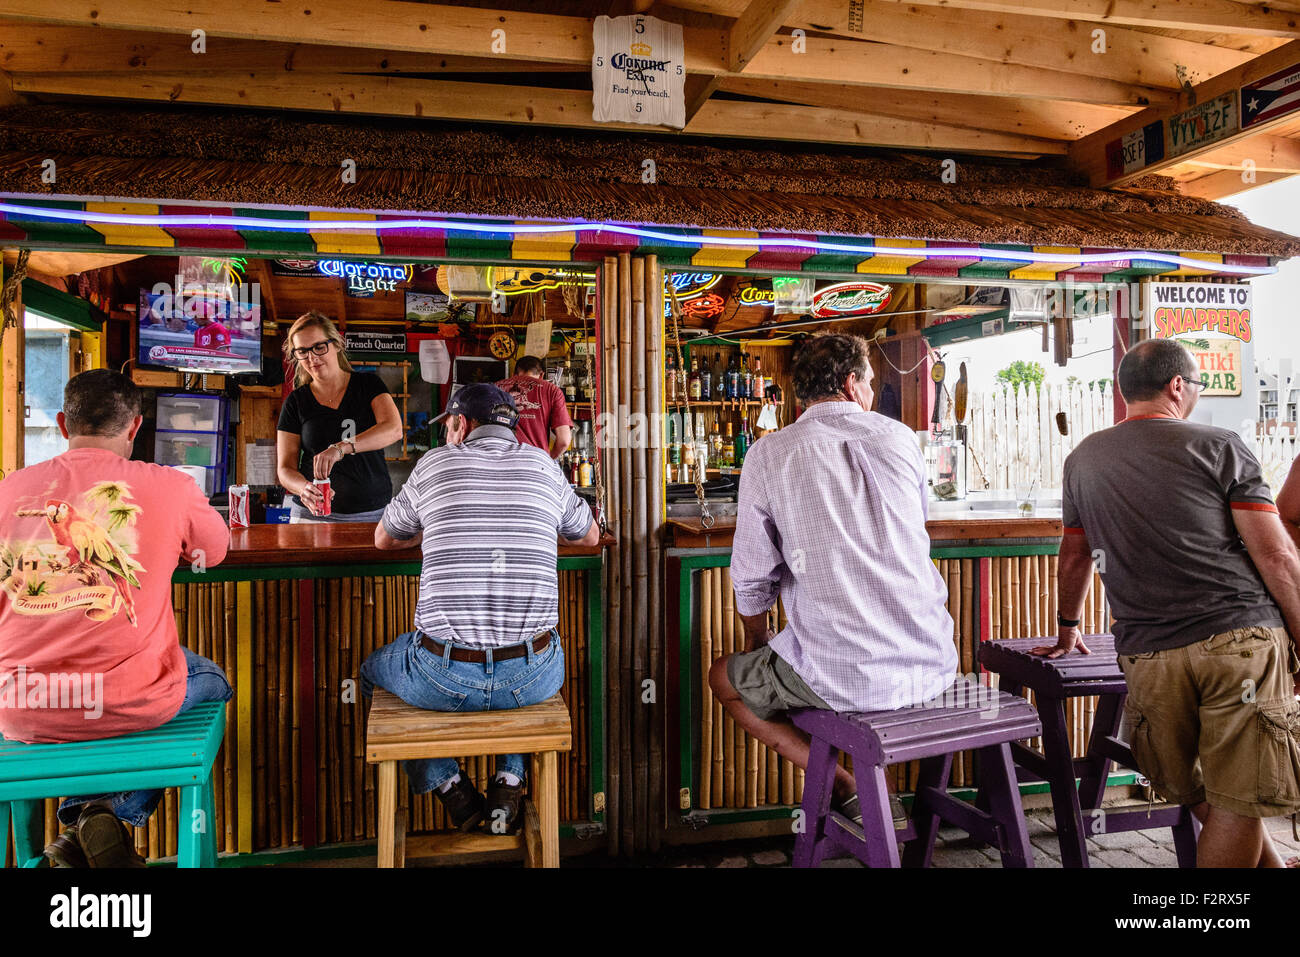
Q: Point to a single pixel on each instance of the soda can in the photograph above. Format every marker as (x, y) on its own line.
(238, 506)
(324, 486)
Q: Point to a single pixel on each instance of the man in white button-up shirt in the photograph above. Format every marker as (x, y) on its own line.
(831, 519)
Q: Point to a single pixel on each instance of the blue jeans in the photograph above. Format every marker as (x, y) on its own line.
(204, 681)
(436, 683)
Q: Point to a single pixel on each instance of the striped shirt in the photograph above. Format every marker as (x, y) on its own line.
(831, 518)
(490, 510)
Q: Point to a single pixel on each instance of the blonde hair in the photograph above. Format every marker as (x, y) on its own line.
(326, 325)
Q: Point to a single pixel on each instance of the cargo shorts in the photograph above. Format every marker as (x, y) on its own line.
(1218, 721)
(768, 685)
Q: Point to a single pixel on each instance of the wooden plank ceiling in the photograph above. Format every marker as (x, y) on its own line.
(1034, 80)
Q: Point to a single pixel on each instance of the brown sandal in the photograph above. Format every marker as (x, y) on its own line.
(65, 850)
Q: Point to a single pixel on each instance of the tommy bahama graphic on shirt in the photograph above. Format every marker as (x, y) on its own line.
(78, 556)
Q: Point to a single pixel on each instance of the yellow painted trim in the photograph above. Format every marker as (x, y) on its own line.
(244, 710)
(363, 242)
(1214, 259)
(892, 265)
(119, 235)
(1047, 271)
(546, 247)
(725, 257)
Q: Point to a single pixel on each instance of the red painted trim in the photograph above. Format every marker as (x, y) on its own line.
(986, 602)
(1253, 506)
(1068, 530)
(307, 707)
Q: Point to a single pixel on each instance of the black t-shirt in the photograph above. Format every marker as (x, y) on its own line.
(360, 482)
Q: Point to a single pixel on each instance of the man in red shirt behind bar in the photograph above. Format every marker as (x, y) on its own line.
(88, 645)
(541, 406)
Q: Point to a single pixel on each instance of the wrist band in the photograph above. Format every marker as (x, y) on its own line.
(1067, 622)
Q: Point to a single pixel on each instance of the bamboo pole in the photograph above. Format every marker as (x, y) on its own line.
(702, 800)
(632, 811)
(640, 562)
(654, 407)
(614, 565)
(730, 733)
(284, 703)
(261, 762)
(289, 597)
(971, 665)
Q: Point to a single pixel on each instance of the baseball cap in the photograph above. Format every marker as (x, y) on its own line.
(483, 402)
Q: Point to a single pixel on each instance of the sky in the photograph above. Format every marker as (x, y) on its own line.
(1276, 309)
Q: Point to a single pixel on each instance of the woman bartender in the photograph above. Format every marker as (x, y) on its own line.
(336, 425)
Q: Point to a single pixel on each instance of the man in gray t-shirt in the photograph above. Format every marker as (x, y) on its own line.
(1204, 584)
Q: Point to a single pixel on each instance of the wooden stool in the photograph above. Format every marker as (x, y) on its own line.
(177, 755)
(969, 716)
(398, 731)
(1073, 676)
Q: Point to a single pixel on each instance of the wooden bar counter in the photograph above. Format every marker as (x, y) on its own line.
(1000, 572)
(290, 614)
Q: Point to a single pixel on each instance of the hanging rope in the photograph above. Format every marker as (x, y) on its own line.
(9, 295)
(706, 517)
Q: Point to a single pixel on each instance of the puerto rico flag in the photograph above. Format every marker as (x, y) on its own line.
(1271, 97)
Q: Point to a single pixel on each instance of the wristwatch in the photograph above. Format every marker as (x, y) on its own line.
(1067, 622)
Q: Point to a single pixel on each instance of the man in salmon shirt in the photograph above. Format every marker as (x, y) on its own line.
(541, 407)
(88, 645)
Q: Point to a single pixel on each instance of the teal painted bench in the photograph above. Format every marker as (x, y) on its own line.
(179, 754)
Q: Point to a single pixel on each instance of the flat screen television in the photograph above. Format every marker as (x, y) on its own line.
(200, 333)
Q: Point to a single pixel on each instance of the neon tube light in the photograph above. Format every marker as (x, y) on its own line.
(639, 232)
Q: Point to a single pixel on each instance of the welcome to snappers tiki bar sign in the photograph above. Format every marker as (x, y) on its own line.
(1182, 308)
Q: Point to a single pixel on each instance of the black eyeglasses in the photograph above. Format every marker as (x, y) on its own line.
(1197, 384)
(319, 349)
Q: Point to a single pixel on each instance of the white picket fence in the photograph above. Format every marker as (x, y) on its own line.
(1013, 438)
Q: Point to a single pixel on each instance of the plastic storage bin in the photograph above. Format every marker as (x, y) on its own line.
(190, 413)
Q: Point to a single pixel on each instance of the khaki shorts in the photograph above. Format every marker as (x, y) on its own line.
(1217, 721)
(768, 685)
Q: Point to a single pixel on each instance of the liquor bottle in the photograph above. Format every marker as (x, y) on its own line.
(729, 449)
(570, 384)
(696, 381)
(688, 443)
(756, 390)
(670, 377)
(586, 472)
(746, 377)
(672, 424)
(742, 442)
(719, 378)
(706, 380)
(715, 447)
(575, 474)
(733, 378)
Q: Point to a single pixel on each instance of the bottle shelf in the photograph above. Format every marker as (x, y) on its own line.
(714, 403)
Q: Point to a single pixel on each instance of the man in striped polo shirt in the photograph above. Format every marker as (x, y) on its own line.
(1203, 583)
(487, 511)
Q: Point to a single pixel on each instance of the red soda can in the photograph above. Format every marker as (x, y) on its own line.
(238, 506)
(324, 486)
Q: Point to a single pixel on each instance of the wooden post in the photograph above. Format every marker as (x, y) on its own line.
(11, 379)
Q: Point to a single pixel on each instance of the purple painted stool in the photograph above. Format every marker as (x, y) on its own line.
(968, 716)
(1074, 676)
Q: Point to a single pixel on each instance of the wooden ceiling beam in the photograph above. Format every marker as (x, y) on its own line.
(440, 30)
(1046, 119)
(389, 25)
(1088, 155)
(533, 106)
(1224, 183)
(1271, 154)
(51, 48)
(880, 64)
(1212, 16)
(757, 23)
(1131, 56)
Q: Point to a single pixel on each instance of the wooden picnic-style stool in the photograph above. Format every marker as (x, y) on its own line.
(970, 716)
(1053, 681)
(397, 731)
(179, 754)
